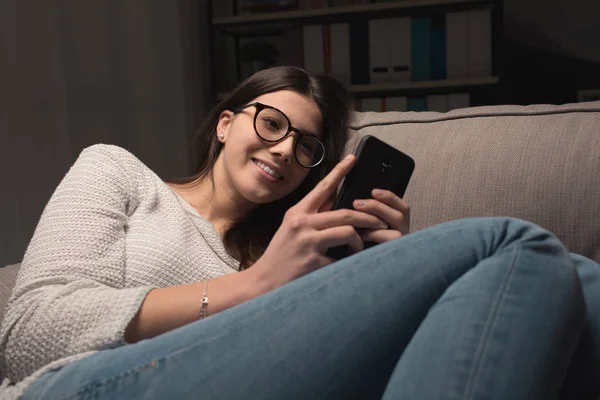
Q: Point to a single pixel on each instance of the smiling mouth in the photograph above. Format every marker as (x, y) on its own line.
(267, 169)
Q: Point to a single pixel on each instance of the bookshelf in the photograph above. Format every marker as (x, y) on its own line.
(273, 24)
(372, 10)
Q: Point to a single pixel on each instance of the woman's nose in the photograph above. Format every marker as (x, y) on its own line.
(284, 149)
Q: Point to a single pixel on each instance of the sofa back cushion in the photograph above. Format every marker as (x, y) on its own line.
(8, 277)
(540, 163)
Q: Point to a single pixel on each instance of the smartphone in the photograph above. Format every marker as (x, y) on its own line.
(378, 166)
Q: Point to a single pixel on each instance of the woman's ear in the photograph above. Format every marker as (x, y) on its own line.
(225, 120)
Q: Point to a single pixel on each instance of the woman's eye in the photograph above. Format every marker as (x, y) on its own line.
(307, 148)
(271, 124)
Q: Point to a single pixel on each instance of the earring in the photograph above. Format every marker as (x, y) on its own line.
(221, 137)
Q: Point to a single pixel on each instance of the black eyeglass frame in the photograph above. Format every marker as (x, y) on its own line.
(259, 107)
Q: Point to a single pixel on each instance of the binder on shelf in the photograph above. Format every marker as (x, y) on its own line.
(480, 43)
(458, 100)
(421, 49)
(416, 103)
(395, 103)
(379, 50)
(359, 52)
(438, 47)
(457, 45)
(438, 103)
(294, 41)
(371, 104)
(400, 49)
(314, 57)
(340, 52)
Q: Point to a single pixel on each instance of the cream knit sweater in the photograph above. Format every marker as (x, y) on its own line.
(112, 231)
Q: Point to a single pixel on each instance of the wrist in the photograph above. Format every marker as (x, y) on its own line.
(257, 282)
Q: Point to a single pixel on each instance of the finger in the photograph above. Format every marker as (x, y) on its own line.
(313, 201)
(394, 201)
(339, 236)
(380, 235)
(393, 217)
(391, 199)
(357, 219)
(328, 205)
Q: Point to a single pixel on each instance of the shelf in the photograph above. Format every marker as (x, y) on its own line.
(396, 87)
(421, 85)
(236, 24)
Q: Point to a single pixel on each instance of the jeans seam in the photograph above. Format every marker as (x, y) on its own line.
(482, 350)
(98, 384)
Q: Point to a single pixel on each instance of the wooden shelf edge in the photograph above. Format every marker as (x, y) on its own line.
(340, 10)
(415, 85)
(422, 85)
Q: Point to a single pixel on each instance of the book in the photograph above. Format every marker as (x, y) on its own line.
(340, 52)
(416, 103)
(437, 103)
(314, 57)
(421, 49)
(372, 104)
(400, 49)
(359, 52)
(294, 41)
(458, 100)
(379, 50)
(395, 103)
(480, 43)
(438, 47)
(457, 45)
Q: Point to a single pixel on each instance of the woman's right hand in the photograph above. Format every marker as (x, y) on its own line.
(309, 229)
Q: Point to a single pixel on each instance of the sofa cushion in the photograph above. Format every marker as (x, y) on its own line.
(8, 277)
(540, 163)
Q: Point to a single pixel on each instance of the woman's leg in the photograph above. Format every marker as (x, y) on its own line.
(340, 331)
(504, 330)
(583, 376)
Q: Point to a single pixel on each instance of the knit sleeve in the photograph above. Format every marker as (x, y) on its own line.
(69, 296)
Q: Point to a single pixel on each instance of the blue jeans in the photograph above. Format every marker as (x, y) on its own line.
(484, 308)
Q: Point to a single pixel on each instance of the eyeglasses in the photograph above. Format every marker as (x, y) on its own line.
(272, 125)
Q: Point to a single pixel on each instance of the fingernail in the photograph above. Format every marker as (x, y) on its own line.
(348, 157)
(359, 203)
(377, 192)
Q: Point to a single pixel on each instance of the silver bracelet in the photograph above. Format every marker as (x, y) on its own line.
(204, 305)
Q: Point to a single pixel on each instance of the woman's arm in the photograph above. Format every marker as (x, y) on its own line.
(69, 297)
(165, 309)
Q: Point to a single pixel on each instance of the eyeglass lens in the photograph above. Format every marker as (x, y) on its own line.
(272, 125)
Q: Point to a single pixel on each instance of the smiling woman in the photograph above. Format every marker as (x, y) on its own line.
(279, 115)
(219, 286)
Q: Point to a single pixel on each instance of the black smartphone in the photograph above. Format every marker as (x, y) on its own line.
(378, 166)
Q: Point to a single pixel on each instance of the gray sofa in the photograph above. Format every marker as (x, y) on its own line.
(540, 163)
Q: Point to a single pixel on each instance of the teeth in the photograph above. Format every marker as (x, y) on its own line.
(268, 170)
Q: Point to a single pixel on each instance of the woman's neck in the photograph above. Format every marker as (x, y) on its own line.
(219, 206)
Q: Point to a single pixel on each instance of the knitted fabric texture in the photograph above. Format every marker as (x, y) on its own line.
(111, 232)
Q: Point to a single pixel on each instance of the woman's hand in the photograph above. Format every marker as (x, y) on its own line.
(389, 208)
(309, 229)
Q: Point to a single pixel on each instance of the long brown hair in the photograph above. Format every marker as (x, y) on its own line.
(246, 240)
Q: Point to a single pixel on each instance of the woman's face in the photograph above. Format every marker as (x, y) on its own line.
(244, 156)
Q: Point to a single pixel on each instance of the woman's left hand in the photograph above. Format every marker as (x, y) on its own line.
(389, 208)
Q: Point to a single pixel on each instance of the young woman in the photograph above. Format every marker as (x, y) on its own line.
(218, 286)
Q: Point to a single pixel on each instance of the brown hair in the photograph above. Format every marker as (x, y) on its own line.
(246, 240)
